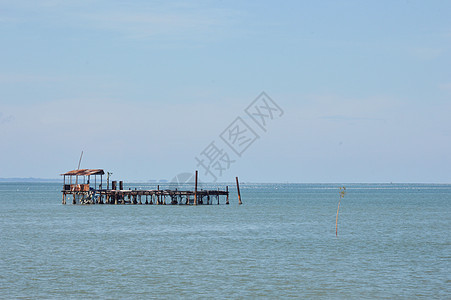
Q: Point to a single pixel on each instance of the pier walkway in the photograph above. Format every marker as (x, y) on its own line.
(86, 193)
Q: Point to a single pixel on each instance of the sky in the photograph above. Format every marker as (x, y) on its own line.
(354, 91)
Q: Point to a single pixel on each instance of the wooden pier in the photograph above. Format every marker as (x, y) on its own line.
(78, 185)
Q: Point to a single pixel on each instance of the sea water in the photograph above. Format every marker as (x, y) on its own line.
(393, 242)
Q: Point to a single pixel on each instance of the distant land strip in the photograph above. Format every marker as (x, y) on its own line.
(29, 179)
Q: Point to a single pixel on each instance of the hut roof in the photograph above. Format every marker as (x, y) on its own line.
(84, 172)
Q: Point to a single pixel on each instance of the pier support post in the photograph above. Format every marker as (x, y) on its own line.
(64, 198)
(195, 190)
(227, 191)
(238, 189)
(157, 201)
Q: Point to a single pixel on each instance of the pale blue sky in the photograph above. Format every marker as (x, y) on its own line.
(143, 88)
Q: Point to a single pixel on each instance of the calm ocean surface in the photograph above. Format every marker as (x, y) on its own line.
(393, 242)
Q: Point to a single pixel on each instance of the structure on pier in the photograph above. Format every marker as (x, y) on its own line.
(86, 186)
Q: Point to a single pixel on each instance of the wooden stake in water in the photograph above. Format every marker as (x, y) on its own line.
(195, 190)
(238, 188)
(227, 191)
(342, 194)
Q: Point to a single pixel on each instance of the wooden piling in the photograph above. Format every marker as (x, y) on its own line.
(157, 201)
(195, 190)
(227, 191)
(238, 189)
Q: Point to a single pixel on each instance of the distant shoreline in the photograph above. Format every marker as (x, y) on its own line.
(164, 182)
(29, 179)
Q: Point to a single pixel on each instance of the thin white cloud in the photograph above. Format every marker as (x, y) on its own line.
(428, 53)
(339, 108)
(26, 78)
(447, 33)
(445, 86)
(7, 19)
(132, 20)
(150, 24)
(161, 22)
(348, 118)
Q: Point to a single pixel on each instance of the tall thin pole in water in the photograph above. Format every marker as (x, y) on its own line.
(227, 191)
(195, 190)
(238, 189)
(342, 194)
